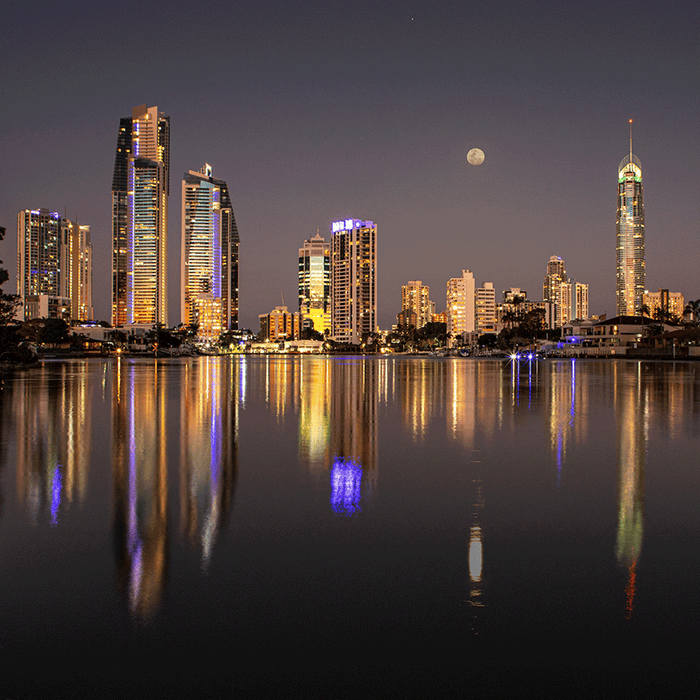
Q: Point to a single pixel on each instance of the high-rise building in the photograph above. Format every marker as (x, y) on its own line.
(460, 304)
(631, 270)
(556, 290)
(315, 282)
(415, 296)
(54, 266)
(486, 308)
(140, 190)
(209, 255)
(579, 301)
(353, 280)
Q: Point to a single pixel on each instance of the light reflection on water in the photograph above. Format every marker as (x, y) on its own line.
(178, 448)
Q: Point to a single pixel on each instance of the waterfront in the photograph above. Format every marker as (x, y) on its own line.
(434, 511)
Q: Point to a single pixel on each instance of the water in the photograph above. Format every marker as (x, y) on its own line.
(348, 527)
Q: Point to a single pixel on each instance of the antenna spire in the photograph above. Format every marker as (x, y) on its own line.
(630, 142)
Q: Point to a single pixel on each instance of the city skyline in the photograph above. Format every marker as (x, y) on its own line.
(297, 152)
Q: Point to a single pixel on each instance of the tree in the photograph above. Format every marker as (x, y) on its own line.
(8, 302)
(54, 331)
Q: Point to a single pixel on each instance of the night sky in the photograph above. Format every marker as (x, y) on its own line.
(317, 111)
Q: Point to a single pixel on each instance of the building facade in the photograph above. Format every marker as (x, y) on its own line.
(279, 325)
(486, 309)
(353, 280)
(664, 304)
(140, 190)
(208, 255)
(415, 296)
(461, 304)
(631, 270)
(315, 282)
(54, 266)
(557, 291)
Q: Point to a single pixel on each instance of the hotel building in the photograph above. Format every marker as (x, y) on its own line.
(140, 190)
(460, 304)
(209, 255)
(315, 282)
(631, 271)
(415, 297)
(54, 266)
(353, 280)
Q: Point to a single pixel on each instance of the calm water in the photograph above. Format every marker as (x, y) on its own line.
(348, 527)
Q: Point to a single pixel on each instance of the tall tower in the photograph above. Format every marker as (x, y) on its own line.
(416, 297)
(54, 259)
(461, 304)
(555, 290)
(209, 254)
(631, 270)
(140, 190)
(315, 282)
(353, 279)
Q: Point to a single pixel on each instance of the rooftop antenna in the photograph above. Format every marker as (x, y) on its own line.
(282, 295)
(630, 142)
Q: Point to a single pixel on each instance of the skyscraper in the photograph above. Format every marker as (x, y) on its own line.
(461, 304)
(486, 308)
(353, 279)
(140, 190)
(415, 296)
(556, 291)
(631, 271)
(315, 282)
(209, 254)
(54, 260)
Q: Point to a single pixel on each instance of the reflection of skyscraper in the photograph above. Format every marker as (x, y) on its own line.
(140, 189)
(353, 280)
(314, 412)
(140, 493)
(53, 439)
(631, 271)
(209, 255)
(353, 439)
(631, 410)
(315, 282)
(208, 451)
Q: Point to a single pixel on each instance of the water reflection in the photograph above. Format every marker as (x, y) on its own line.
(159, 443)
(53, 439)
(632, 412)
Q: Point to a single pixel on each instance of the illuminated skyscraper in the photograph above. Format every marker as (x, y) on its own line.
(315, 282)
(631, 270)
(54, 266)
(416, 297)
(486, 308)
(461, 304)
(353, 280)
(209, 255)
(556, 290)
(140, 189)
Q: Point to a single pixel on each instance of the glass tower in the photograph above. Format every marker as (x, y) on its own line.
(209, 255)
(140, 189)
(353, 280)
(631, 271)
(315, 282)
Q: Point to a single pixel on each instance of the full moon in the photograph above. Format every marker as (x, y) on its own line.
(476, 156)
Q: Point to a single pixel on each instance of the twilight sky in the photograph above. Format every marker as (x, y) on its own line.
(314, 111)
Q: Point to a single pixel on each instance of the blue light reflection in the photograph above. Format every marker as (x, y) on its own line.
(346, 477)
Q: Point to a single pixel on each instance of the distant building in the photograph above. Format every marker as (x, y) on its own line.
(460, 304)
(631, 265)
(353, 280)
(664, 301)
(140, 190)
(569, 298)
(280, 325)
(54, 260)
(415, 296)
(315, 282)
(209, 255)
(407, 317)
(486, 309)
